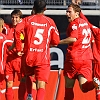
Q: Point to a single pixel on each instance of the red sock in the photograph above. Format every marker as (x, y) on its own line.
(9, 94)
(29, 88)
(0, 96)
(69, 94)
(29, 85)
(40, 94)
(97, 94)
(34, 93)
(22, 94)
(87, 86)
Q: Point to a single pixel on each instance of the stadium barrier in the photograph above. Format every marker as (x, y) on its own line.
(55, 88)
(51, 4)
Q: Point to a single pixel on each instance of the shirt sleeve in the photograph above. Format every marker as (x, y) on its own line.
(73, 30)
(18, 37)
(94, 29)
(83, 17)
(55, 39)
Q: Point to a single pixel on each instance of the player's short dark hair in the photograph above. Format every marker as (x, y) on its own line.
(39, 5)
(17, 12)
(75, 7)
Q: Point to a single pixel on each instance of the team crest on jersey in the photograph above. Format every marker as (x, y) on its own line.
(74, 27)
(1, 37)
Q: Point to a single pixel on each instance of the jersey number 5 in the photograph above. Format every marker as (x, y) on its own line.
(38, 35)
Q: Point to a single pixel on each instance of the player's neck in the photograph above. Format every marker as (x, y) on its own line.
(13, 26)
(42, 13)
(0, 30)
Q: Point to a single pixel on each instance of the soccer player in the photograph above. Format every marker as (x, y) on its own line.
(96, 55)
(2, 56)
(40, 32)
(13, 63)
(3, 46)
(77, 64)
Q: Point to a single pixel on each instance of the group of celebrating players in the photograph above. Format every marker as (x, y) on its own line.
(25, 50)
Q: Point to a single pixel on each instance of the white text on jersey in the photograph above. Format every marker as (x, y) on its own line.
(38, 24)
(36, 50)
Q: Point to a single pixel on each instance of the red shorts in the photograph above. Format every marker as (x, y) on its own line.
(1, 80)
(96, 70)
(41, 72)
(13, 65)
(74, 68)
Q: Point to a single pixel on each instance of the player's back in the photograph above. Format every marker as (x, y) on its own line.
(80, 30)
(40, 31)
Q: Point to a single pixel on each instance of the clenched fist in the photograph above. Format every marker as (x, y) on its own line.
(77, 1)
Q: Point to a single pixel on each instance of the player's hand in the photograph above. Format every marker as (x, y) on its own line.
(20, 53)
(53, 46)
(77, 1)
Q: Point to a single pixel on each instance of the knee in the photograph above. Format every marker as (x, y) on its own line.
(41, 84)
(10, 84)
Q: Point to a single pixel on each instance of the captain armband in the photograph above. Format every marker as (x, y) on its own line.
(21, 36)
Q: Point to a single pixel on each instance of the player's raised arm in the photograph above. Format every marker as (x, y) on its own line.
(94, 29)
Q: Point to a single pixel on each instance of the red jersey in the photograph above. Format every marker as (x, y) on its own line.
(79, 50)
(40, 32)
(3, 45)
(9, 31)
(96, 44)
(96, 34)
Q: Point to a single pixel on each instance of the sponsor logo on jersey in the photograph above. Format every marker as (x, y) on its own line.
(38, 24)
(82, 25)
